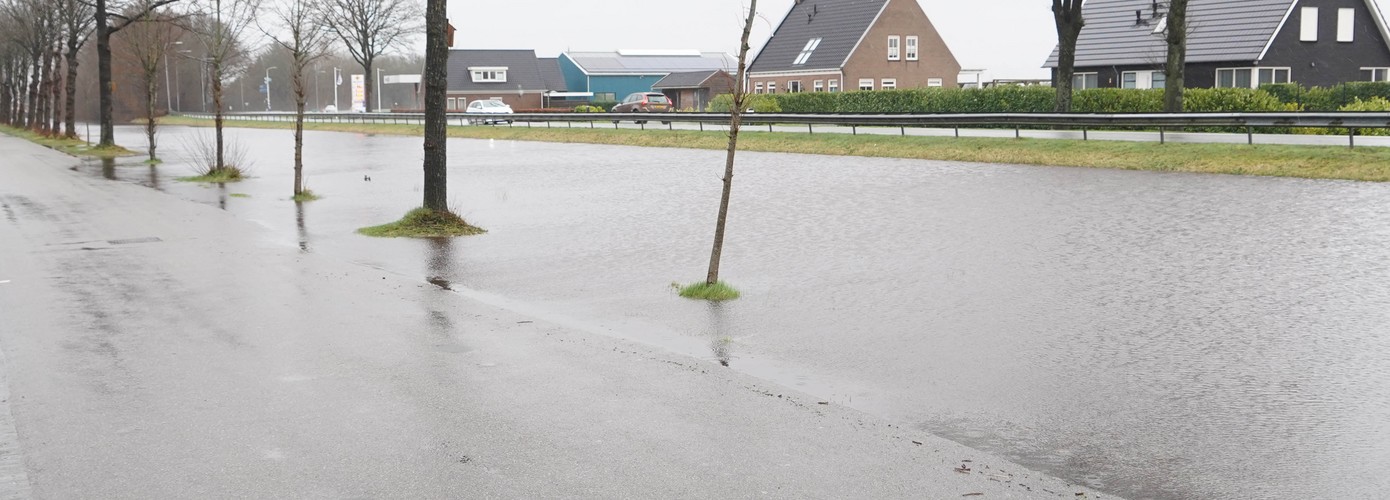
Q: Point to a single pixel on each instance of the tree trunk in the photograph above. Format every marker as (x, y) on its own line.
(56, 94)
(436, 85)
(45, 80)
(369, 81)
(70, 90)
(216, 77)
(735, 120)
(299, 131)
(104, 84)
(151, 100)
(1177, 57)
(1069, 20)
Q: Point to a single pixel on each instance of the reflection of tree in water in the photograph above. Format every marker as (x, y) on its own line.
(154, 178)
(438, 262)
(108, 168)
(299, 225)
(721, 340)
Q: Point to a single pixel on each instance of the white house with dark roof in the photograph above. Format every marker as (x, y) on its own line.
(842, 45)
(1234, 43)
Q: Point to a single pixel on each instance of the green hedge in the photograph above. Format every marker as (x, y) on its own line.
(1333, 98)
(1006, 99)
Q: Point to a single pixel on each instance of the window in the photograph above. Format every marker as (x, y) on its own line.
(1375, 74)
(453, 103)
(1083, 81)
(1309, 33)
(934, 82)
(772, 87)
(806, 51)
(888, 84)
(1251, 78)
(1160, 80)
(1142, 80)
(1162, 27)
(866, 84)
(912, 48)
(605, 96)
(834, 86)
(818, 86)
(758, 88)
(1346, 25)
(489, 74)
(893, 47)
(793, 86)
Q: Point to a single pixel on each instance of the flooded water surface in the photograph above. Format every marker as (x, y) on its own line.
(1152, 335)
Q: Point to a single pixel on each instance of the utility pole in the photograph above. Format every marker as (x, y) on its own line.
(267, 87)
(378, 89)
(337, 82)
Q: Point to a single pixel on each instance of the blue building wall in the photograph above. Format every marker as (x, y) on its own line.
(575, 79)
(621, 86)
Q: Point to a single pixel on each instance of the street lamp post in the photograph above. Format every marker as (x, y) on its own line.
(378, 89)
(267, 87)
(337, 82)
(168, 89)
(317, 105)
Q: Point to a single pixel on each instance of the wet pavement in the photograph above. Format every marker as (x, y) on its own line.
(1153, 335)
(158, 348)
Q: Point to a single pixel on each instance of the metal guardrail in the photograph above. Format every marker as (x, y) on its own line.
(1353, 122)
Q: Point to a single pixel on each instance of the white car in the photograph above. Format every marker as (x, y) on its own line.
(488, 107)
(330, 109)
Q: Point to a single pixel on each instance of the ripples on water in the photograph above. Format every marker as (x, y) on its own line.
(1153, 335)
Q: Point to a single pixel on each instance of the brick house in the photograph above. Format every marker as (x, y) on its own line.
(515, 77)
(842, 45)
(1233, 43)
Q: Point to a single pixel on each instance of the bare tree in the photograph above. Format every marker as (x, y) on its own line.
(104, 30)
(295, 30)
(147, 42)
(436, 85)
(222, 25)
(1175, 73)
(1069, 20)
(370, 28)
(735, 120)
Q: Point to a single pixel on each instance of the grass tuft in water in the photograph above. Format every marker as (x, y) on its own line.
(218, 176)
(305, 195)
(424, 223)
(718, 292)
(239, 195)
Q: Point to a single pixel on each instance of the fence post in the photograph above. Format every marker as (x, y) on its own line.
(1351, 138)
(1085, 134)
(1249, 136)
(854, 129)
(958, 132)
(1162, 136)
(1018, 134)
(902, 131)
(810, 130)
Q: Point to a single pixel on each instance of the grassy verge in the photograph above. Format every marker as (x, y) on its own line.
(1313, 162)
(423, 223)
(75, 147)
(719, 291)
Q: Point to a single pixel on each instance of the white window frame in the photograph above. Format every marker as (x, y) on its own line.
(894, 47)
(758, 88)
(772, 87)
(888, 84)
(1143, 79)
(453, 103)
(488, 74)
(818, 86)
(793, 86)
(806, 51)
(1346, 25)
(1083, 76)
(935, 82)
(1383, 77)
(1308, 29)
(866, 84)
(1255, 76)
(833, 86)
(911, 48)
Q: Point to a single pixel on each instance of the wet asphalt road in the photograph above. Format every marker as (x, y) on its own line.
(160, 348)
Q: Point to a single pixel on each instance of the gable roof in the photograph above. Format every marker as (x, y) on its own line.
(649, 62)
(687, 80)
(840, 24)
(525, 71)
(1221, 30)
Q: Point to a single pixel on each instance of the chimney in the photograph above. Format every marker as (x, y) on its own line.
(1139, 17)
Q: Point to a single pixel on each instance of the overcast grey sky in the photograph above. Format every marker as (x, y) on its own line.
(1010, 38)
